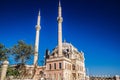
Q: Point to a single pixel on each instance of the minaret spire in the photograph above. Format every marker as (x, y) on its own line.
(38, 21)
(59, 19)
(59, 4)
(59, 10)
(38, 27)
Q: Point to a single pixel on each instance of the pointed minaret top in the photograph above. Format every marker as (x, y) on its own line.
(38, 20)
(59, 3)
(59, 10)
(39, 13)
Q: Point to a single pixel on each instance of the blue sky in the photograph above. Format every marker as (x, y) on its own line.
(92, 26)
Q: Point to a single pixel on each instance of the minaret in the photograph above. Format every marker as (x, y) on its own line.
(38, 27)
(59, 19)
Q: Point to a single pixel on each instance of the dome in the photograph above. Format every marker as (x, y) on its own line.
(68, 51)
(66, 47)
(65, 44)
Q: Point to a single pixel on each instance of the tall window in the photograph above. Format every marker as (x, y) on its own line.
(60, 65)
(54, 65)
(73, 67)
(50, 66)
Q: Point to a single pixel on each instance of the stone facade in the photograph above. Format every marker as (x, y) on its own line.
(70, 66)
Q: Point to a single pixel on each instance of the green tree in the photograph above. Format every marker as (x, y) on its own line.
(22, 53)
(12, 71)
(3, 53)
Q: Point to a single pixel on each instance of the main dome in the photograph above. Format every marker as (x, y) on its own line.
(66, 47)
(68, 51)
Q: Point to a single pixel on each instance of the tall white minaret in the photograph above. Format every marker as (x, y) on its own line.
(59, 19)
(38, 27)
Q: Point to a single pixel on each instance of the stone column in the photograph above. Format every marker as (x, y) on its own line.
(87, 78)
(4, 70)
(117, 77)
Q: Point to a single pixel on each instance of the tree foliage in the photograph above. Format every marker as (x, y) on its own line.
(12, 71)
(22, 52)
(3, 53)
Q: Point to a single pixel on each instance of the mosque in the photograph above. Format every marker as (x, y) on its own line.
(65, 62)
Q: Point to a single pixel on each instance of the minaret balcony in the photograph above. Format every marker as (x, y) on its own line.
(60, 19)
(38, 27)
